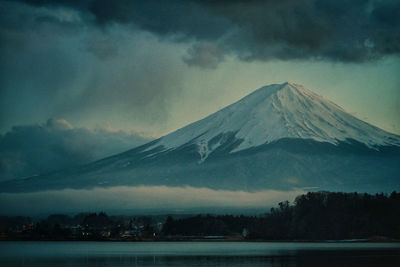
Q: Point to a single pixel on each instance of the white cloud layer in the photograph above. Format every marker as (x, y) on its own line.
(124, 198)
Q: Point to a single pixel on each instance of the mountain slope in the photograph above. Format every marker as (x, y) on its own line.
(275, 112)
(281, 136)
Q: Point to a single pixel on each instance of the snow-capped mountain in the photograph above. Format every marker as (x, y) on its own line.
(281, 136)
(274, 112)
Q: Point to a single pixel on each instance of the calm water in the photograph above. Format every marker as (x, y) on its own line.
(198, 254)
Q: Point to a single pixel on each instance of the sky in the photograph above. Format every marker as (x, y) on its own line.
(136, 70)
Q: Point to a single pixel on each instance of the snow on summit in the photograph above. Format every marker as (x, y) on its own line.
(274, 112)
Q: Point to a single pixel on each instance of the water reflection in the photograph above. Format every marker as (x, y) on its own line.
(197, 254)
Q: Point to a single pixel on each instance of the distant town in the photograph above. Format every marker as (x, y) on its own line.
(312, 217)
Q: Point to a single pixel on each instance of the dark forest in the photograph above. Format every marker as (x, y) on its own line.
(312, 216)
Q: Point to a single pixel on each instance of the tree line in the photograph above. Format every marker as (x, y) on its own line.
(312, 216)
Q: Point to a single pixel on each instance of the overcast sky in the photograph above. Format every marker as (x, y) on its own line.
(154, 66)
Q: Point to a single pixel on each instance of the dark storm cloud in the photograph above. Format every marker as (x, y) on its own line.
(32, 149)
(103, 47)
(204, 55)
(346, 31)
(55, 61)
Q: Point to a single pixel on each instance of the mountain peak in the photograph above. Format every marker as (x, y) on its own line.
(273, 112)
(288, 88)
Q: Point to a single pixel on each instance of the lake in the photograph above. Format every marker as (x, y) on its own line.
(286, 254)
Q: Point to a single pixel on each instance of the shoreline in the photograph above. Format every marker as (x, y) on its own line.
(210, 240)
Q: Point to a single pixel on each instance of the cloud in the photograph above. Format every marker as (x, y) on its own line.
(56, 61)
(59, 124)
(345, 31)
(33, 149)
(204, 55)
(103, 47)
(145, 198)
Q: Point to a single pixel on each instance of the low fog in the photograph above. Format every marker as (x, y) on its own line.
(123, 199)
